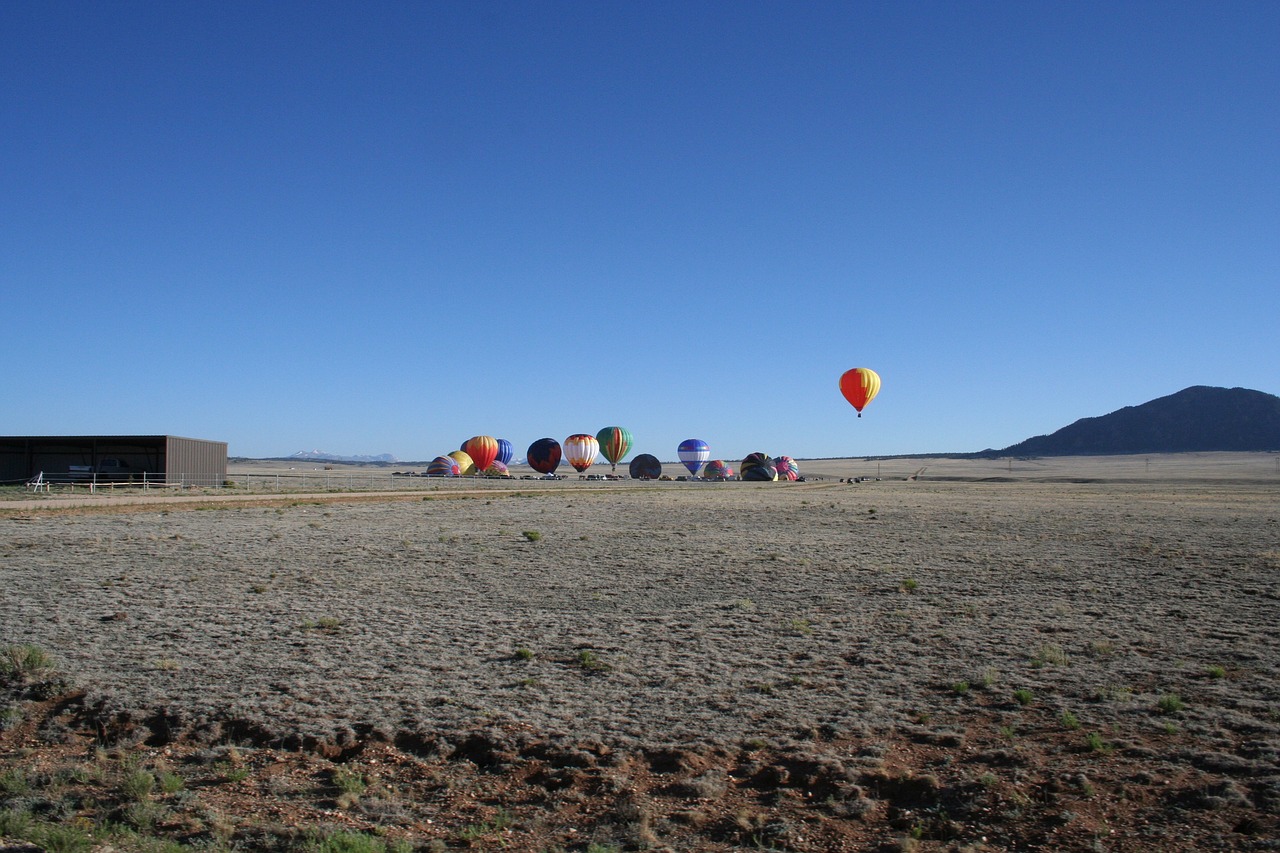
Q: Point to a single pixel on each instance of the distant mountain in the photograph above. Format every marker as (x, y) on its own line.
(321, 456)
(1195, 420)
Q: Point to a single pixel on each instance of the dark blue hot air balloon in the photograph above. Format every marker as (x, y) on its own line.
(544, 455)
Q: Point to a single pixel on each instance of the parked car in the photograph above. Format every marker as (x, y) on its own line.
(108, 469)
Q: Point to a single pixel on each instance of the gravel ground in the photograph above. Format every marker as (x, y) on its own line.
(666, 613)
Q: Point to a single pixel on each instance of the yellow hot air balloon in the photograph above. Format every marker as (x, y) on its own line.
(466, 466)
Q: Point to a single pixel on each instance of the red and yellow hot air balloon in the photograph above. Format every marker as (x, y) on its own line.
(580, 450)
(482, 449)
(860, 386)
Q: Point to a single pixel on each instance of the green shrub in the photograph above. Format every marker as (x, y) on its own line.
(531, 535)
(24, 661)
(138, 785)
(14, 781)
(1170, 703)
(1023, 696)
(1097, 744)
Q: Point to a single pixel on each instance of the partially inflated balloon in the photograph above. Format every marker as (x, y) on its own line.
(787, 468)
(759, 467)
(466, 465)
(646, 467)
(615, 443)
(717, 470)
(496, 469)
(860, 386)
(544, 455)
(442, 466)
(482, 449)
(580, 451)
(693, 453)
(505, 451)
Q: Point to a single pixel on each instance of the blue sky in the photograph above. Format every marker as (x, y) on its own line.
(385, 228)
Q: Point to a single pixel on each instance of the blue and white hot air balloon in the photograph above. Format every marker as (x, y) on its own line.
(694, 453)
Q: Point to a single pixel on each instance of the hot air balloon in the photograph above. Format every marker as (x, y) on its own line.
(482, 449)
(759, 467)
(615, 443)
(860, 386)
(466, 465)
(580, 450)
(442, 466)
(505, 451)
(646, 467)
(543, 455)
(694, 453)
(787, 468)
(496, 469)
(717, 470)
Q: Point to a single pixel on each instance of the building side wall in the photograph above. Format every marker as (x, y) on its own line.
(195, 462)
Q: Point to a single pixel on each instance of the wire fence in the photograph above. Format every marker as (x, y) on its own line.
(314, 481)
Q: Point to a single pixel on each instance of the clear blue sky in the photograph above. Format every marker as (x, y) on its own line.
(386, 227)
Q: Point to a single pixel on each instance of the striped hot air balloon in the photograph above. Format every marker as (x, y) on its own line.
(505, 451)
(759, 467)
(787, 468)
(717, 470)
(615, 443)
(496, 469)
(442, 466)
(580, 451)
(694, 453)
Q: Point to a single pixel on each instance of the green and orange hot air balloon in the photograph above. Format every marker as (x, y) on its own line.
(615, 443)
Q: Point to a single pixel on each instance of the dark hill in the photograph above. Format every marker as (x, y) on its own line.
(1196, 419)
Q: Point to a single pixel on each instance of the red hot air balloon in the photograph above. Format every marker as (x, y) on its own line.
(860, 386)
(482, 449)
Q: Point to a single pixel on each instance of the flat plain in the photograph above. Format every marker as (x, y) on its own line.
(960, 654)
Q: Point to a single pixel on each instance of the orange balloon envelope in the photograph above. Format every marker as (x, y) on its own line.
(860, 386)
(482, 449)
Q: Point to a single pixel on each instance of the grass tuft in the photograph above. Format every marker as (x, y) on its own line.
(24, 661)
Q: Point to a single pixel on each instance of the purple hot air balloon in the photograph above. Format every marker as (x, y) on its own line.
(787, 468)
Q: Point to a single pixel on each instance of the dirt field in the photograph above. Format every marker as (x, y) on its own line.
(1078, 654)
